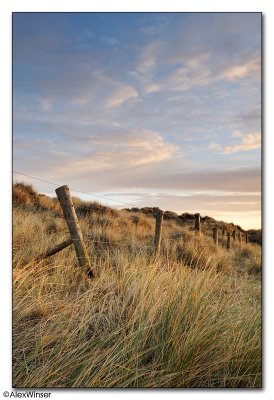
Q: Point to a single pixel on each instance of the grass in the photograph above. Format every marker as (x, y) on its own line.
(190, 317)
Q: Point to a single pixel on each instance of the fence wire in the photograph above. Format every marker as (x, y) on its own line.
(91, 239)
(76, 190)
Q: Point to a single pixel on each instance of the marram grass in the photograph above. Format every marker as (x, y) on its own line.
(190, 318)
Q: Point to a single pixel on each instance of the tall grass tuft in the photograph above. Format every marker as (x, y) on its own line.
(190, 317)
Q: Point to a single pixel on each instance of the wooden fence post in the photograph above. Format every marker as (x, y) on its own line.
(240, 238)
(54, 250)
(158, 231)
(223, 235)
(246, 238)
(234, 236)
(215, 237)
(228, 241)
(198, 223)
(65, 200)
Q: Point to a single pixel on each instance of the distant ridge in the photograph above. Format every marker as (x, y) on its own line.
(25, 194)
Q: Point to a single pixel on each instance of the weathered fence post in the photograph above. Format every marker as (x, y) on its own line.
(228, 241)
(234, 236)
(223, 235)
(158, 231)
(54, 250)
(198, 223)
(246, 238)
(65, 200)
(215, 237)
(240, 238)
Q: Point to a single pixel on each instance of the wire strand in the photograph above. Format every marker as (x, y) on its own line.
(76, 190)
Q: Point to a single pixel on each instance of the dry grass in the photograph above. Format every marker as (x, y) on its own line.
(188, 318)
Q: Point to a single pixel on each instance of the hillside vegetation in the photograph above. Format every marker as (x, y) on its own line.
(190, 317)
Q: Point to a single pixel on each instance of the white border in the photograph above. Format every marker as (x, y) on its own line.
(6, 9)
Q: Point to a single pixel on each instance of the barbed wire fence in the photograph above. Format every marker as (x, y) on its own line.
(79, 241)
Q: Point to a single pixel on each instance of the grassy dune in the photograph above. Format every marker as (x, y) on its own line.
(190, 317)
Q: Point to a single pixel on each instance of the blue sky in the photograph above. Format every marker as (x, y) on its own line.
(155, 109)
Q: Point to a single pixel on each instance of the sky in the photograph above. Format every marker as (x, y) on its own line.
(151, 109)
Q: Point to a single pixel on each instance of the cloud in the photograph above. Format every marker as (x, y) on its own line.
(214, 146)
(89, 87)
(120, 95)
(118, 152)
(209, 202)
(45, 104)
(152, 88)
(240, 71)
(179, 80)
(148, 56)
(109, 40)
(77, 77)
(236, 133)
(202, 70)
(148, 30)
(249, 142)
(182, 69)
(251, 115)
(240, 180)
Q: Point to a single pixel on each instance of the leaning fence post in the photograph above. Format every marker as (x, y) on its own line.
(228, 241)
(198, 223)
(158, 231)
(54, 250)
(65, 200)
(215, 237)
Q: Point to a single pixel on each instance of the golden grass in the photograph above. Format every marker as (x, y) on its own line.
(188, 318)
